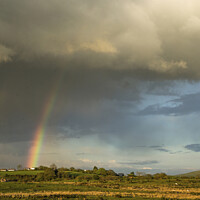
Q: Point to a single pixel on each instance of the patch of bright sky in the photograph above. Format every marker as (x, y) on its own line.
(185, 87)
(179, 88)
(88, 147)
(87, 151)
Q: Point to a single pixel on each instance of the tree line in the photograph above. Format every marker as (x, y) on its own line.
(53, 173)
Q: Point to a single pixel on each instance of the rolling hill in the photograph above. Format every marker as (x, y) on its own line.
(190, 174)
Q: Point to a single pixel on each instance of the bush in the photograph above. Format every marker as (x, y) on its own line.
(49, 174)
(40, 177)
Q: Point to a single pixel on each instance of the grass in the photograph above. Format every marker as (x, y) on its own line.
(75, 197)
(153, 189)
(22, 172)
(137, 188)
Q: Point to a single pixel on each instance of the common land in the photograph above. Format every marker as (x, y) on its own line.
(51, 183)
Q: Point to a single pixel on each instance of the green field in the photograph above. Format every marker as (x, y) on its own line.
(21, 172)
(32, 172)
(118, 189)
(89, 185)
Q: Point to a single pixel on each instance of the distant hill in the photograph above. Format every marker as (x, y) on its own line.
(190, 174)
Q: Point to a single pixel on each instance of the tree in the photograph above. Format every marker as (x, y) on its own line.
(95, 177)
(111, 172)
(102, 171)
(49, 174)
(42, 167)
(19, 167)
(160, 175)
(95, 168)
(131, 175)
(149, 176)
(72, 168)
(61, 174)
(40, 177)
(53, 166)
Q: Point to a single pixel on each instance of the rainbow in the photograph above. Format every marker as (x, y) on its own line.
(39, 133)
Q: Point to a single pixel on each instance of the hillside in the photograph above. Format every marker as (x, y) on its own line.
(190, 174)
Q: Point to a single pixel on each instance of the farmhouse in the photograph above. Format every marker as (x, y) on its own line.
(11, 170)
(3, 170)
(26, 168)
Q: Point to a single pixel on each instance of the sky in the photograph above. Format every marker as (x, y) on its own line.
(127, 78)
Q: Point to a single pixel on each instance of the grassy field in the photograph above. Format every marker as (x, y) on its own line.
(22, 172)
(106, 187)
(138, 189)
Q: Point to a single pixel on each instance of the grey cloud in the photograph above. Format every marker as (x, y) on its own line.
(75, 29)
(160, 148)
(181, 106)
(193, 147)
(163, 150)
(176, 152)
(155, 146)
(82, 99)
(13, 149)
(5, 54)
(87, 33)
(49, 153)
(82, 154)
(146, 162)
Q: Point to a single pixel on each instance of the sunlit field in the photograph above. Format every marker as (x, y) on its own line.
(94, 185)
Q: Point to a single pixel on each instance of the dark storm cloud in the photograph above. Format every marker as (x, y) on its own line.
(13, 149)
(193, 147)
(82, 99)
(21, 101)
(96, 36)
(186, 104)
(105, 57)
(146, 162)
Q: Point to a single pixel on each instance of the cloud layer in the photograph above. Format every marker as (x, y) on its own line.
(87, 33)
(193, 147)
(183, 105)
